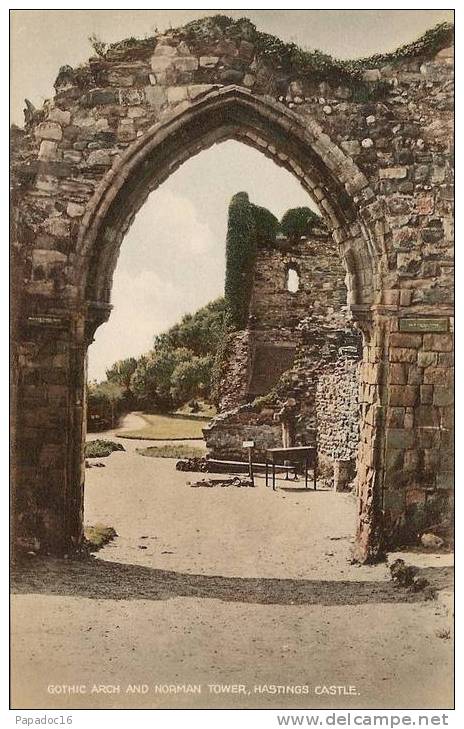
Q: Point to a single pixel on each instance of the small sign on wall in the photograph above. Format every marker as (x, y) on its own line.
(424, 325)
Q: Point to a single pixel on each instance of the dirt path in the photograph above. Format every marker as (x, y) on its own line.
(223, 586)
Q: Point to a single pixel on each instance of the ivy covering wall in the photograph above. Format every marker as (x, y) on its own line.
(241, 247)
(251, 227)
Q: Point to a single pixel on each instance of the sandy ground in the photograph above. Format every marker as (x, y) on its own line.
(220, 587)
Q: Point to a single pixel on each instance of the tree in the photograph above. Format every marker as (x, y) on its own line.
(191, 379)
(152, 378)
(121, 373)
(200, 332)
(103, 401)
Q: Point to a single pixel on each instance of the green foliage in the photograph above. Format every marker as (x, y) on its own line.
(251, 227)
(297, 222)
(121, 372)
(104, 404)
(241, 247)
(426, 46)
(97, 536)
(176, 370)
(266, 226)
(191, 378)
(152, 378)
(101, 448)
(199, 332)
(269, 400)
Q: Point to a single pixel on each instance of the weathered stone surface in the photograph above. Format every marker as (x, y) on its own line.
(96, 97)
(74, 210)
(49, 130)
(155, 97)
(403, 395)
(48, 150)
(372, 75)
(99, 157)
(380, 170)
(209, 61)
(62, 117)
(438, 342)
(176, 94)
(198, 90)
(393, 173)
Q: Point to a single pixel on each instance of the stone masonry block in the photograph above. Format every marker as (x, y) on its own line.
(438, 376)
(400, 438)
(426, 394)
(443, 396)
(425, 359)
(403, 395)
(400, 339)
(398, 373)
(400, 354)
(438, 342)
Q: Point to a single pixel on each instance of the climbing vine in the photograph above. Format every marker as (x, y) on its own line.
(241, 248)
(249, 228)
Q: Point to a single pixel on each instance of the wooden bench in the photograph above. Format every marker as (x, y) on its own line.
(297, 454)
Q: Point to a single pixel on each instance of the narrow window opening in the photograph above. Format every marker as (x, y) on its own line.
(293, 280)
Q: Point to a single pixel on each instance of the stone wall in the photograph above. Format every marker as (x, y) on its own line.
(337, 410)
(233, 386)
(226, 433)
(371, 142)
(286, 354)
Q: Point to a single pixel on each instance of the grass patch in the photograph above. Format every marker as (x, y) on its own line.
(100, 448)
(167, 427)
(99, 535)
(172, 451)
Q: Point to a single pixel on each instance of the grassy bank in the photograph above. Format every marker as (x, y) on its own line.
(172, 451)
(167, 427)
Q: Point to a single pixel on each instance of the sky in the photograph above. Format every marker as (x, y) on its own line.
(172, 258)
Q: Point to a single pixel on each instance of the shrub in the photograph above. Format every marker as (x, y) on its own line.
(269, 400)
(266, 226)
(101, 448)
(152, 378)
(99, 535)
(219, 363)
(104, 404)
(298, 221)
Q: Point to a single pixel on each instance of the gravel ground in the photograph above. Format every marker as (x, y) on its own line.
(223, 586)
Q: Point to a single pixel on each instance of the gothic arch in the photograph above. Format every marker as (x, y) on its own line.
(380, 174)
(330, 177)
